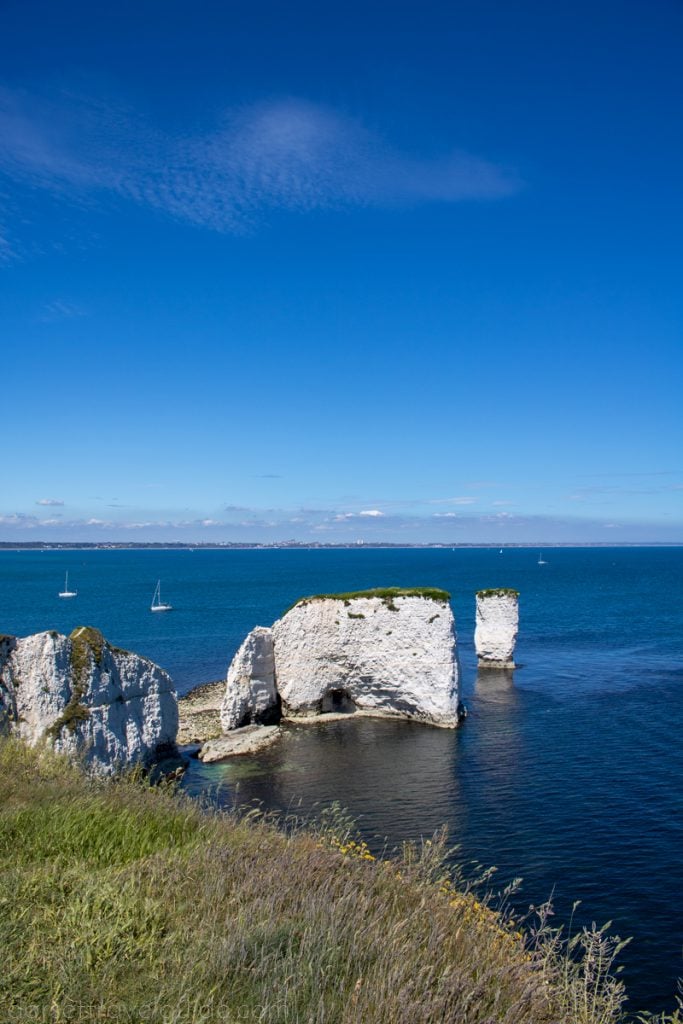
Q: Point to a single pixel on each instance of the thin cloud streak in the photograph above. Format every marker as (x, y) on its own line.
(607, 494)
(466, 500)
(59, 310)
(287, 154)
(7, 253)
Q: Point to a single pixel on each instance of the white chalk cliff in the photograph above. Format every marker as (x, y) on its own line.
(496, 628)
(250, 694)
(107, 706)
(388, 653)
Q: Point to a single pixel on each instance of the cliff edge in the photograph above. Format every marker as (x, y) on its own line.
(107, 706)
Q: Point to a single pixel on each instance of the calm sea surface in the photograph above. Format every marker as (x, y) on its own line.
(570, 774)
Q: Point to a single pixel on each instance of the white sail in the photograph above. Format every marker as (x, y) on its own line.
(66, 592)
(157, 604)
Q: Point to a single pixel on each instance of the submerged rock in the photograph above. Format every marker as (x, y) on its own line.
(88, 699)
(496, 629)
(390, 652)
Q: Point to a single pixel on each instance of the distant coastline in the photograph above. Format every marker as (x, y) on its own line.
(70, 545)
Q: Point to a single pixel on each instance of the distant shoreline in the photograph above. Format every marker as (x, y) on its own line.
(313, 546)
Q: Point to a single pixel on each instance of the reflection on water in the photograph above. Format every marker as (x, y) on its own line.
(390, 774)
(496, 686)
(499, 753)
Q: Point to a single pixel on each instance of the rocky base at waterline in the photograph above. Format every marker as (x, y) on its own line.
(388, 651)
(107, 707)
(247, 740)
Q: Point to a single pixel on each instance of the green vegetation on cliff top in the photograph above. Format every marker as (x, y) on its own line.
(124, 903)
(386, 594)
(498, 592)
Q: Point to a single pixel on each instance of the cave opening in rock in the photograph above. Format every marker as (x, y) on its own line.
(338, 702)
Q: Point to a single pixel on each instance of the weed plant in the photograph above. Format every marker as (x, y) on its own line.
(127, 903)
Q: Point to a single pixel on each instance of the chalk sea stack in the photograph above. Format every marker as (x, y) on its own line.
(106, 706)
(496, 627)
(389, 651)
(250, 694)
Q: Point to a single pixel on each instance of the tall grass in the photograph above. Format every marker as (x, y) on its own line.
(124, 903)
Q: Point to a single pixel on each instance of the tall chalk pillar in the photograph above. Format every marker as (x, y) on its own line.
(496, 629)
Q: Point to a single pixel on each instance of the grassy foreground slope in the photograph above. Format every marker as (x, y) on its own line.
(124, 903)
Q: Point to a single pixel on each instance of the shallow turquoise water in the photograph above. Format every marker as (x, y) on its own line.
(570, 775)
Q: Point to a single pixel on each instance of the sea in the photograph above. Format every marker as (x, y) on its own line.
(567, 773)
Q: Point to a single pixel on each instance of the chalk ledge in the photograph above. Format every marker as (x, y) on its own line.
(247, 740)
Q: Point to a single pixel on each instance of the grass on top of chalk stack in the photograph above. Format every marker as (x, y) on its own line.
(123, 902)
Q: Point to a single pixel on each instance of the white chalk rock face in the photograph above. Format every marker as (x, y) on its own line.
(390, 656)
(496, 629)
(109, 707)
(250, 694)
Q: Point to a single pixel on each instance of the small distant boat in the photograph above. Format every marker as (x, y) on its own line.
(66, 592)
(157, 604)
(500, 552)
(541, 560)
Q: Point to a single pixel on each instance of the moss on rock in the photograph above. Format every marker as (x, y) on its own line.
(87, 646)
(87, 650)
(498, 592)
(386, 594)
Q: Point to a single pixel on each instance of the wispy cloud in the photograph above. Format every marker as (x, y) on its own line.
(605, 495)
(59, 310)
(19, 519)
(286, 154)
(7, 253)
(368, 513)
(49, 501)
(465, 500)
(236, 508)
(649, 473)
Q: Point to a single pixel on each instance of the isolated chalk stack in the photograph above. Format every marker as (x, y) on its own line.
(496, 629)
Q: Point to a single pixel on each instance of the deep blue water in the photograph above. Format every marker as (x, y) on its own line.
(569, 774)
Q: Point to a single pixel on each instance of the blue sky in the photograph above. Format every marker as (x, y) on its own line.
(341, 272)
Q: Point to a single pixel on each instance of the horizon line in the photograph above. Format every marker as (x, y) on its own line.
(309, 545)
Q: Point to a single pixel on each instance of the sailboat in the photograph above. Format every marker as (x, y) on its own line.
(66, 592)
(540, 559)
(157, 604)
